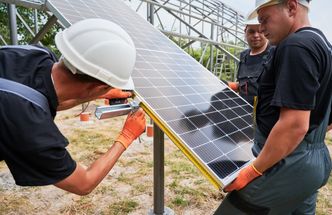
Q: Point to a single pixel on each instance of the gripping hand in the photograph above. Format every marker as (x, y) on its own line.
(234, 86)
(245, 176)
(116, 94)
(133, 128)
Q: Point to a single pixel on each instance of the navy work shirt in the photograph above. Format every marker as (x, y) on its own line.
(250, 70)
(30, 143)
(299, 78)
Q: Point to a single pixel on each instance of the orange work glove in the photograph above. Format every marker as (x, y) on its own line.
(245, 176)
(133, 128)
(234, 86)
(116, 94)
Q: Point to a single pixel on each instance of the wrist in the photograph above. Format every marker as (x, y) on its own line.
(124, 140)
(256, 170)
(119, 145)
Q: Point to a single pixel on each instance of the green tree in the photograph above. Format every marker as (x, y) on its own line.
(24, 36)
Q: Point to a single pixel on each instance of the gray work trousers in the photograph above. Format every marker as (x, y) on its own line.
(289, 187)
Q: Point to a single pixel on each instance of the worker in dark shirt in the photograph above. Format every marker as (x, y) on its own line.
(294, 101)
(252, 61)
(97, 57)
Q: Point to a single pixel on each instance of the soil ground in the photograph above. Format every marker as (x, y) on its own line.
(128, 189)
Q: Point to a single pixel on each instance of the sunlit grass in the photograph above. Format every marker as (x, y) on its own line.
(122, 207)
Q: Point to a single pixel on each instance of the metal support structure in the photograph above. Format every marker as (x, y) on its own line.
(159, 174)
(51, 21)
(201, 16)
(203, 40)
(188, 44)
(3, 40)
(27, 3)
(195, 23)
(201, 35)
(12, 24)
(158, 170)
(25, 23)
(211, 50)
(203, 53)
(150, 13)
(158, 156)
(35, 13)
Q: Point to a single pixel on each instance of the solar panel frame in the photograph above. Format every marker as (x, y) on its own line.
(169, 92)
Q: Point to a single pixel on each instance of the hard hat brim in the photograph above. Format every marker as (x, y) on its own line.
(129, 86)
(253, 14)
(253, 21)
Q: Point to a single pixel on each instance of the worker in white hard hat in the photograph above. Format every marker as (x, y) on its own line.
(98, 57)
(252, 61)
(294, 101)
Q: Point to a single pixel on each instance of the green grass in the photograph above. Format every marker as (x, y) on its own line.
(125, 178)
(180, 201)
(180, 167)
(141, 188)
(104, 190)
(87, 146)
(324, 202)
(328, 140)
(122, 207)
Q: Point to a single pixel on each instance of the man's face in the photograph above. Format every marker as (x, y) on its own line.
(275, 23)
(255, 37)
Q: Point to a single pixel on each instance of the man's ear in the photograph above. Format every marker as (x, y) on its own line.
(292, 6)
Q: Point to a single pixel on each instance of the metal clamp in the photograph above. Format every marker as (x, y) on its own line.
(105, 112)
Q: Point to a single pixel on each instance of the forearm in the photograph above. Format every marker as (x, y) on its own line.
(102, 166)
(283, 139)
(82, 181)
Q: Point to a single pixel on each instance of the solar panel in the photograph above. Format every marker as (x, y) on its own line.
(210, 123)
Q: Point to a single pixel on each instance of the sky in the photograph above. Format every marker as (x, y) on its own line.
(320, 13)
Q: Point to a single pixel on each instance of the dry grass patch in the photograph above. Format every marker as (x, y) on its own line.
(81, 205)
(15, 203)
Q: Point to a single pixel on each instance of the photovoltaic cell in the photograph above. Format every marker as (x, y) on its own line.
(223, 166)
(194, 138)
(225, 144)
(208, 152)
(204, 116)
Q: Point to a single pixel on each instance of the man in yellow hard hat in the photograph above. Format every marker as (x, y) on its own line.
(294, 101)
(97, 57)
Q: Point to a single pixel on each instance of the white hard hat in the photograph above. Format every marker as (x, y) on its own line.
(101, 49)
(253, 21)
(264, 3)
